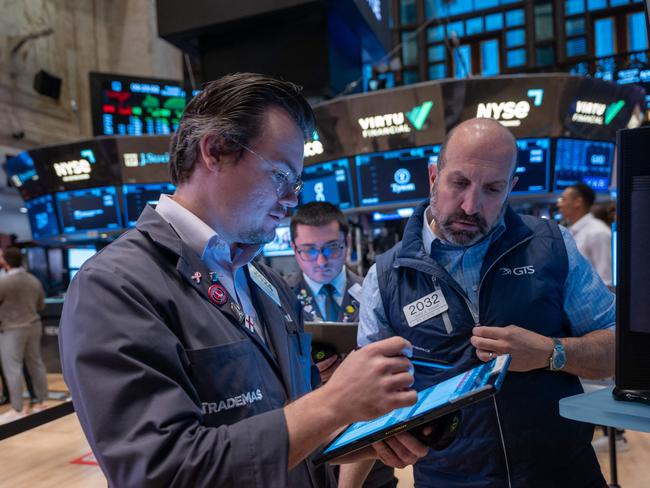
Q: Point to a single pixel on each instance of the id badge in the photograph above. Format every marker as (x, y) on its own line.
(425, 308)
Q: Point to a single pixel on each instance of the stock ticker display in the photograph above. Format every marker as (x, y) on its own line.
(328, 182)
(533, 166)
(583, 161)
(400, 176)
(135, 106)
(92, 209)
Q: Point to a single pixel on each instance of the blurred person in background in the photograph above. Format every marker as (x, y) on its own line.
(21, 298)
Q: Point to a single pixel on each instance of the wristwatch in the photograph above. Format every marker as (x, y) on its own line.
(557, 361)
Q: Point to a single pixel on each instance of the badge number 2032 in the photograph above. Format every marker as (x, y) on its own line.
(425, 308)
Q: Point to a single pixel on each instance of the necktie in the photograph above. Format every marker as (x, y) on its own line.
(331, 307)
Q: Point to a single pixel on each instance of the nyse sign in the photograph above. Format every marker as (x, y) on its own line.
(510, 113)
(75, 170)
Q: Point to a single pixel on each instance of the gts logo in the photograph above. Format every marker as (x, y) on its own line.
(522, 270)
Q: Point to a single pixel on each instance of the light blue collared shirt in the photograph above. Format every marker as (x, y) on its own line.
(588, 303)
(215, 254)
(339, 285)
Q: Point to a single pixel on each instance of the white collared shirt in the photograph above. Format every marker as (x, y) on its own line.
(215, 254)
(594, 241)
(339, 285)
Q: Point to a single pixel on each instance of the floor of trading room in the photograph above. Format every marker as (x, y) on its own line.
(57, 454)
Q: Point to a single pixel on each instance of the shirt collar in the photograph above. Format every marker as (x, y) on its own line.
(200, 237)
(338, 282)
(15, 270)
(429, 237)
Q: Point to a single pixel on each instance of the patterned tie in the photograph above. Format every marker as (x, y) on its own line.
(331, 307)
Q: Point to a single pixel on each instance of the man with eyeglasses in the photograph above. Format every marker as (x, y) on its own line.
(326, 289)
(186, 361)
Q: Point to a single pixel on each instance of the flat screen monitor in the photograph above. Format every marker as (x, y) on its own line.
(42, 217)
(583, 161)
(77, 256)
(136, 198)
(328, 182)
(280, 245)
(90, 209)
(123, 105)
(533, 166)
(400, 176)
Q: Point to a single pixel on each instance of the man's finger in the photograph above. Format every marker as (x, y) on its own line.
(488, 344)
(412, 443)
(326, 363)
(393, 346)
(489, 332)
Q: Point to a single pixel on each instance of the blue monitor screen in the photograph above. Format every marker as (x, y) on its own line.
(280, 245)
(42, 217)
(328, 182)
(581, 161)
(79, 255)
(90, 209)
(395, 176)
(136, 197)
(533, 166)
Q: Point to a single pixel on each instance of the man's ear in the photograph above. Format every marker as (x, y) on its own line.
(212, 152)
(433, 174)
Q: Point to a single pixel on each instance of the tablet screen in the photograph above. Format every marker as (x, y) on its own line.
(429, 399)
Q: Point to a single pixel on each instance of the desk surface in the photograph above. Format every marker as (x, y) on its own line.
(600, 408)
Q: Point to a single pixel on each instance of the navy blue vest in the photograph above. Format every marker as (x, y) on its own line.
(519, 435)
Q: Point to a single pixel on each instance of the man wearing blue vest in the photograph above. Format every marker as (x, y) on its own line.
(512, 284)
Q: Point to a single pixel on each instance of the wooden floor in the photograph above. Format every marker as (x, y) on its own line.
(44, 457)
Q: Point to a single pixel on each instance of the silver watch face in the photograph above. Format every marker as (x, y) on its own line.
(558, 359)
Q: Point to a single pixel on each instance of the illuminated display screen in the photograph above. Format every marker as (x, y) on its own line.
(23, 175)
(281, 243)
(91, 209)
(328, 182)
(77, 165)
(135, 106)
(79, 255)
(136, 198)
(143, 159)
(533, 165)
(581, 161)
(42, 217)
(395, 176)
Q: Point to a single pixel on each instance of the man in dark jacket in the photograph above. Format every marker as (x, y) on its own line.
(496, 283)
(187, 362)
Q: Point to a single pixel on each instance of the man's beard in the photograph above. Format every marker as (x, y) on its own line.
(455, 236)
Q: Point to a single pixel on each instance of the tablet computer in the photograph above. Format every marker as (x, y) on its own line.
(342, 336)
(435, 401)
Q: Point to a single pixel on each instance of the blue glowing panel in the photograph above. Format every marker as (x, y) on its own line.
(137, 197)
(582, 161)
(395, 176)
(42, 217)
(281, 243)
(533, 166)
(23, 175)
(77, 256)
(91, 209)
(328, 182)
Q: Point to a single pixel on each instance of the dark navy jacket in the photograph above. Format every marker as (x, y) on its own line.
(518, 436)
(169, 388)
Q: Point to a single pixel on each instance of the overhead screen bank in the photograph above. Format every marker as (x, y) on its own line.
(369, 151)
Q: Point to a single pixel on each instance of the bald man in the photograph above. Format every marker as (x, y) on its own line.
(513, 284)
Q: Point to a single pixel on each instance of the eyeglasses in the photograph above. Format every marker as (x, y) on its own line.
(330, 251)
(285, 181)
